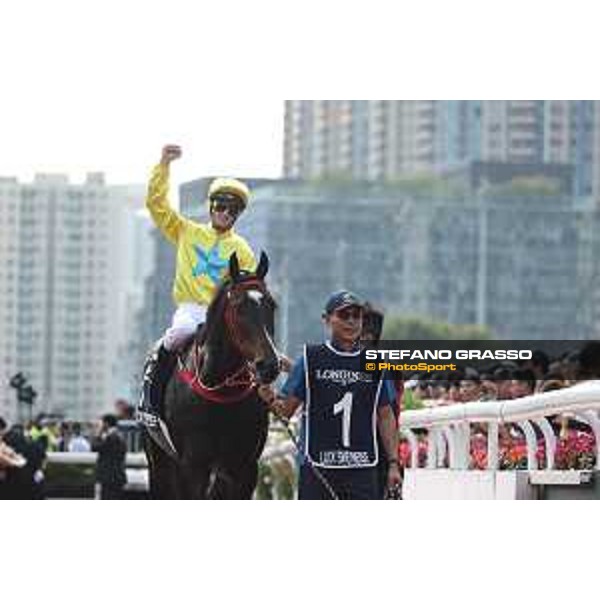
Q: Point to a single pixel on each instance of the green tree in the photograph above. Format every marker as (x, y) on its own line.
(423, 328)
(423, 184)
(526, 187)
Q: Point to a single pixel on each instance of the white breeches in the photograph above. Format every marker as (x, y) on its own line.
(186, 319)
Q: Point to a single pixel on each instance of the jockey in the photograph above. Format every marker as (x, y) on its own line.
(203, 251)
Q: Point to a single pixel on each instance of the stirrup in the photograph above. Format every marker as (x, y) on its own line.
(159, 432)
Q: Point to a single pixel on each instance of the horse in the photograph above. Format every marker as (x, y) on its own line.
(217, 421)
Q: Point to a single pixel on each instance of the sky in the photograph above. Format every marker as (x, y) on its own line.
(101, 86)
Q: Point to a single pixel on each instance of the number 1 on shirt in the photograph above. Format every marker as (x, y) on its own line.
(344, 406)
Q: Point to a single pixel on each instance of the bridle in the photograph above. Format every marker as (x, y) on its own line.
(244, 379)
(229, 313)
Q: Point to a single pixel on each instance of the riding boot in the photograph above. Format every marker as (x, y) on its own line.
(150, 412)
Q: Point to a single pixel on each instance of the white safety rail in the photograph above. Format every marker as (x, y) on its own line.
(277, 446)
(137, 465)
(135, 462)
(449, 427)
(133, 459)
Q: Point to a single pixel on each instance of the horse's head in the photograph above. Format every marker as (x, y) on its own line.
(249, 312)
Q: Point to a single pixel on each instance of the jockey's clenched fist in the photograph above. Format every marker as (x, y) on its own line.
(170, 152)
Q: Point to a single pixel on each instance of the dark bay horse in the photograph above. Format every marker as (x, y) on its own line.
(216, 419)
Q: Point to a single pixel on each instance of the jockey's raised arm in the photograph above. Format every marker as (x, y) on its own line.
(202, 258)
(166, 218)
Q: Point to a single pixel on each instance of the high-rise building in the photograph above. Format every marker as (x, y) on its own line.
(523, 266)
(365, 139)
(467, 259)
(386, 139)
(68, 290)
(9, 285)
(138, 258)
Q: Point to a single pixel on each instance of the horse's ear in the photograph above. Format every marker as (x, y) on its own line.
(234, 267)
(263, 266)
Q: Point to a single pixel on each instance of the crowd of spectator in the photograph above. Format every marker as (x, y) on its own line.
(509, 381)
(503, 381)
(22, 460)
(24, 450)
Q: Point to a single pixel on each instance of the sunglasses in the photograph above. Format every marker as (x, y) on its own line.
(230, 205)
(345, 314)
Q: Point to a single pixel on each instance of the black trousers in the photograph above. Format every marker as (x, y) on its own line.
(111, 492)
(348, 484)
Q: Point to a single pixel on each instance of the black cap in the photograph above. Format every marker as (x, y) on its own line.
(342, 299)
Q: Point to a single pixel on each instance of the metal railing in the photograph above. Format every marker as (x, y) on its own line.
(449, 427)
